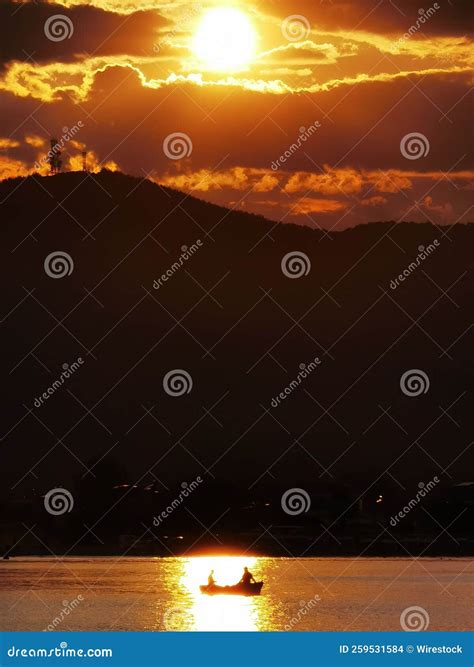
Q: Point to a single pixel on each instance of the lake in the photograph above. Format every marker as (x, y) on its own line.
(145, 594)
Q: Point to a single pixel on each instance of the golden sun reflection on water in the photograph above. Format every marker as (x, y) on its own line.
(220, 612)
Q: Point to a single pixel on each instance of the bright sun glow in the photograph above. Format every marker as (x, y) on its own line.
(225, 40)
(222, 612)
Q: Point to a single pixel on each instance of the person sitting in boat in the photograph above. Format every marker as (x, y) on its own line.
(210, 580)
(247, 577)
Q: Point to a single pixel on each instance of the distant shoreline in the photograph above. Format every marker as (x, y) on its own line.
(235, 552)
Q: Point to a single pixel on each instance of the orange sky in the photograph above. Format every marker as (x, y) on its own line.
(315, 128)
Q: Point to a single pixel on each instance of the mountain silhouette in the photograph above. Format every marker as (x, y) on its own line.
(289, 382)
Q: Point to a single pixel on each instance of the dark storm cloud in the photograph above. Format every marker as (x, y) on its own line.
(361, 124)
(387, 17)
(94, 31)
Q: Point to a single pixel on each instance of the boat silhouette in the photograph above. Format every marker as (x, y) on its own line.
(237, 589)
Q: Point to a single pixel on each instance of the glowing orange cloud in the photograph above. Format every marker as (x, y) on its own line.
(53, 81)
(342, 181)
(239, 178)
(310, 205)
(6, 142)
(35, 141)
(10, 168)
(373, 201)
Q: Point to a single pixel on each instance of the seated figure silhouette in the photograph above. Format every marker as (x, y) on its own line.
(247, 578)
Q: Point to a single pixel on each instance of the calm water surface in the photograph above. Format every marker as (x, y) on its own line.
(300, 594)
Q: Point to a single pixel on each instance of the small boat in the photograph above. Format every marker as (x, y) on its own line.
(237, 589)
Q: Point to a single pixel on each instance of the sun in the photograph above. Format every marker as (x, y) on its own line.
(225, 40)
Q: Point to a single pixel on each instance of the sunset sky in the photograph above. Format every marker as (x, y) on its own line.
(243, 81)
